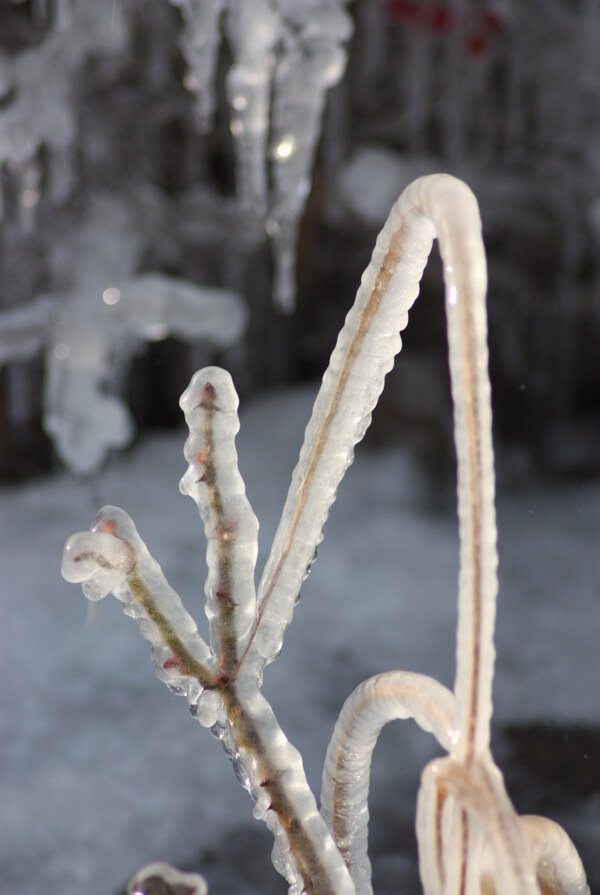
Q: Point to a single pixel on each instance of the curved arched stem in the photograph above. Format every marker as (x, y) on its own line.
(442, 206)
(385, 697)
(557, 864)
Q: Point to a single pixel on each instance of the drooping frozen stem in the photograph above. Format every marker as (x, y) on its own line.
(556, 861)
(346, 774)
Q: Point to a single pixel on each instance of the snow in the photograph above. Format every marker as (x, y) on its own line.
(103, 771)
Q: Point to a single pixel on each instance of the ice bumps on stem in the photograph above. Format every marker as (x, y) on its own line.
(470, 839)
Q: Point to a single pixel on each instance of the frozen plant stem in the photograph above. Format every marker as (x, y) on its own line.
(470, 838)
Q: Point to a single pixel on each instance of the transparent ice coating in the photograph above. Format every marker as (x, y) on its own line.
(479, 791)
(272, 756)
(112, 558)
(346, 773)
(558, 865)
(199, 45)
(214, 482)
(163, 879)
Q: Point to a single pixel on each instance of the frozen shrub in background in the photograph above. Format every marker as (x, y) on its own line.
(470, 838)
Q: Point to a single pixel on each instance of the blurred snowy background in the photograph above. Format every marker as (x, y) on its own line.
(172, 176)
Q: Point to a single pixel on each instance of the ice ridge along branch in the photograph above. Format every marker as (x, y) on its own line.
(470, 839)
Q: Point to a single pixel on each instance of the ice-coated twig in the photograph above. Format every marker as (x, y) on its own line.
(462, 807)
(112, 558)
(383, 698)
(93, 327)
(479, 789)
(214, 482)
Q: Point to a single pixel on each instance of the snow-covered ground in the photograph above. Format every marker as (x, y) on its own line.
(103, 770)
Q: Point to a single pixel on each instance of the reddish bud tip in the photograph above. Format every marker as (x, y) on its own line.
(208, 395)
(109, 527)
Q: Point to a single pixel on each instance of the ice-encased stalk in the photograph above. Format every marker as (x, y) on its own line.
(346, 773)
(214, 482)
(442, 206)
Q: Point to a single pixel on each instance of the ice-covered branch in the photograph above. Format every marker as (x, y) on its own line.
(479, 790)
(37, 111)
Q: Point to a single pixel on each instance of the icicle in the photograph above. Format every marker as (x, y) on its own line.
(199, 45)
(312, 60)
(253, 29)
